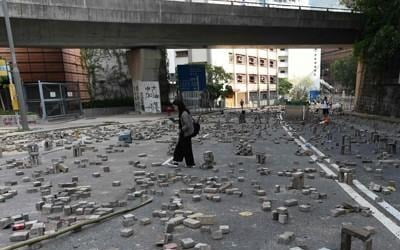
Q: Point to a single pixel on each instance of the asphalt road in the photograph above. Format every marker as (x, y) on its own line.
(257, 231)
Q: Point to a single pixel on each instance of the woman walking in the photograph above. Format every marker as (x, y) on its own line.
(184, 147)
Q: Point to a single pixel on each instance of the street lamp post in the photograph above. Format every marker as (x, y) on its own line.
(15, 70)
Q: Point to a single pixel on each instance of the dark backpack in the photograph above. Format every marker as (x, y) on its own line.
(196, 127)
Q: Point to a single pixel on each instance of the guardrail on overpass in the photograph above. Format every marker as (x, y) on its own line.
(265, 4)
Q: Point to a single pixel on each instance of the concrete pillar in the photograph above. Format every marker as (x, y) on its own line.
(144, 66)
(359, 81)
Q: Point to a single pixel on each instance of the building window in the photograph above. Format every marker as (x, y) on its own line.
(271, 49)
(183, 53)
(241, 78)
(272, 79)
(283, 49)
(263, 62)
(252, 61)
(252, 78)
(263, 79)
(283, 71)
(240, 59)
(264, 95)
(271, 64)
(282, 60)
(231, 58)
(253, 96)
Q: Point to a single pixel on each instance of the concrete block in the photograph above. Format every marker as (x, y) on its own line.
(96, 175)
(126, 232)
(283, 218)
(305, 208)
(207, 219)
(145, 221)
(19, 236)
(217, 235)
(286, 238)
(37, 230)
(192, 223)
(202, 246)
(116, 183)
(266, 206)
(291, 202)
(187, 243)
(224, 229)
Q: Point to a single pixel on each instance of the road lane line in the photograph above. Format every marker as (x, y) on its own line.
(382, 218)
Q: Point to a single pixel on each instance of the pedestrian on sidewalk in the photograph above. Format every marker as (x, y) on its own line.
(186, 129)
(241, 103)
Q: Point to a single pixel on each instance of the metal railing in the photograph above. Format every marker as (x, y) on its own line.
(265, 4)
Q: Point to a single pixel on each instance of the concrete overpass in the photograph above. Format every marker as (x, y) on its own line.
(153, 23)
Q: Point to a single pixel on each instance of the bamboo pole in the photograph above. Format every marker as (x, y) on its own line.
(74, 227)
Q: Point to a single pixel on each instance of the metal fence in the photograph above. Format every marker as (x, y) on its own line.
(347, 102)
(266, 4)
(51, 100)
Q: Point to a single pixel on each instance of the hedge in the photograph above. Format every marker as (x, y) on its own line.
(109, 103)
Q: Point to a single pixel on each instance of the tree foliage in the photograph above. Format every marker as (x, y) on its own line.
(106, 80)
(344, 72)
(380, 40)
(301, 90)
(284, 86)
(217, 80)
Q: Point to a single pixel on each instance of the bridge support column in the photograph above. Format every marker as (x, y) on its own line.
(144, 66)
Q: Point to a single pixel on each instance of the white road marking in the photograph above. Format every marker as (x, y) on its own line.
(389, 208)
(168, 161)
(387, 222)
(385, 205)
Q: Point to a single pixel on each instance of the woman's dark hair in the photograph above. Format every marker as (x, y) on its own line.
(181, 106)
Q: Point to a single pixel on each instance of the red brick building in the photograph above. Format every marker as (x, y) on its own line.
(51, 65)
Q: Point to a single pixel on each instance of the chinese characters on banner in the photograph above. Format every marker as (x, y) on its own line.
(147, 96)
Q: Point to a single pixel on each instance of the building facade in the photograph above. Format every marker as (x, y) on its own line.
(51, 65)
(255, 72)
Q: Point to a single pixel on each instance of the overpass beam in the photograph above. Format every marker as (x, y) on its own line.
(144, 66)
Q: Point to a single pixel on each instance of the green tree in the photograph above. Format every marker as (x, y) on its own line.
(301, 90)
(284, 86)
(107, 80)
(344, 72)
(380, 40)
(91, 59)
(217, 82)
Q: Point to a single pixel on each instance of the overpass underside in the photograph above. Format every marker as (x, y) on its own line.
(62, 34)
(159, 23)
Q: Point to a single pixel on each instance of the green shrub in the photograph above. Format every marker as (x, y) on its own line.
(109, 103)
(297, 103)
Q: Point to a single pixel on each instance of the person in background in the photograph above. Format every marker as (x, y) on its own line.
(325, 107)
(241, 103)
(184, 147)
(325, 111)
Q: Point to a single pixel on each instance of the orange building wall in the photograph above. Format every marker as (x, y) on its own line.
(51, 65)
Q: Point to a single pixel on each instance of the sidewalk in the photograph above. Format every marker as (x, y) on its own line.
(44, 126)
